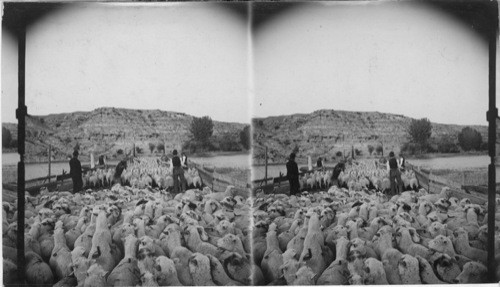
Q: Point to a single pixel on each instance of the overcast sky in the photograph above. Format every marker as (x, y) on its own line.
(182, 57)
(385, 56)
(395, 57)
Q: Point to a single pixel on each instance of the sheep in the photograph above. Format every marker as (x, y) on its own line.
(231, 243)
(409, 270)
(126, 273)
(442, 244)
(289, 268)
(462, 246)
(240, 269)
(167, 274)
(60, 259)
(193, 235)
(374, 272)
(446, 267)
(305, 276)
(445, 193)
(407, 239)
(101, 244)
(219, 275)
(180, 255)
(273, 257)
(199, 267)
(473, 272)
(37, 271)
(427, 274)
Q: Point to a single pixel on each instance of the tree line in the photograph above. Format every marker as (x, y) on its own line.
(420, 131)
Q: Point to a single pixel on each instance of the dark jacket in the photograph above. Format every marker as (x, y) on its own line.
(292, 170)
(176, 161)
(337, 170)
(119, 168)
(75, 168)
(393, 163)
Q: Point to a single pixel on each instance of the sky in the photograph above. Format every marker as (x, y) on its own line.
(389, 56)
(181, 57)
(394, 57)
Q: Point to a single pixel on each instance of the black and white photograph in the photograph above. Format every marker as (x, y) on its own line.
(250, 143)
(370, 142)
(137, 139)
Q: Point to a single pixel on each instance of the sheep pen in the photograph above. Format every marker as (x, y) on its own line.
(132, 234)
(139, 235)
(356, 234)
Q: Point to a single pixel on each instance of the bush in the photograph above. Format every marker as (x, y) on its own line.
(245, 137)
(379, 149)
(160, 147)
(202, 129)
(338, 154)
(119, 152)
(357, 152)
(469, 139)
(6, 137)
(138, 150)
(370, 149)
(447, 147)
(151, 147)
(420, 131)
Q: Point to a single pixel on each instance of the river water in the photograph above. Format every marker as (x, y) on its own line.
(35, 170)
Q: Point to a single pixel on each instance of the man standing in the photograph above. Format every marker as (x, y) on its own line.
(75, 170)
(339, 167)
(394, 174)
(292, 173)
(178, 173)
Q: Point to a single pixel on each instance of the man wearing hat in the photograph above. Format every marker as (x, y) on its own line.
(75, 170)
(292, 173)
(394, 174)
(178, 173)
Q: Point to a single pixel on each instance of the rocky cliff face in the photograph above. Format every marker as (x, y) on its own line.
(105, 130)
(326, 132)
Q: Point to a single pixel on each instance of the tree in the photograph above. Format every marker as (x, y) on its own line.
(379, 149)
(370, 149)
(151, 147)
(6, 137)
(245, 137)
(138, 150)
(202, 129)
(469, 139)
(420, 131)
(160, 147)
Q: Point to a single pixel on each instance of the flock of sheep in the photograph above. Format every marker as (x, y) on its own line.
(358, 235)
(143, 173)
(140, 234)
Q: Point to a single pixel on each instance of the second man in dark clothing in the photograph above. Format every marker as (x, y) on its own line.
(292, 173)
(394, 175)
(75, 170)
(178, 173)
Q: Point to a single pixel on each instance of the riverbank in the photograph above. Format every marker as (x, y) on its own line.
(446, 155)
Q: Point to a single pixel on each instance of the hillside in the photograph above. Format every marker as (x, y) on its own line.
(325, 132)
(105, 130)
